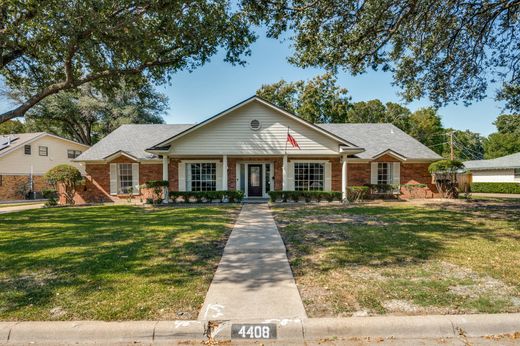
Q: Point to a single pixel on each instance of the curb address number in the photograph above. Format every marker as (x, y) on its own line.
(253, 331)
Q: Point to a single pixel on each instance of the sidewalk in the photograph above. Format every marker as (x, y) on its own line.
(253, 279)
(15, 208)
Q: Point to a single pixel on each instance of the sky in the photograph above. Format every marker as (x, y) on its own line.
(195, 96)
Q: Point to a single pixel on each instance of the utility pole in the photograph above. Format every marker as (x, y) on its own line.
(452, 154)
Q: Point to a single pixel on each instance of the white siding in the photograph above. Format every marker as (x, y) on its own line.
(232, 134)
(494, 176)
(17, 163)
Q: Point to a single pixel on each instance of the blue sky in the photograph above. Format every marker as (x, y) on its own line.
(216, 86)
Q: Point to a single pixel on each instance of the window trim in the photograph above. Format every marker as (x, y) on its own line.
(200, 180)
(120, 190)
(75, 153)
(308, 178)
(40, 147)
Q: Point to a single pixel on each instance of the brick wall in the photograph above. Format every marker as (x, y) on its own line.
(97, 187)
(11, 186)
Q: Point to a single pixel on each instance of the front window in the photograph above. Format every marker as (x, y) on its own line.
(125, 178)
(517, 173)
(202, 176)
(384, 173)
(43, 151)
(308, 176)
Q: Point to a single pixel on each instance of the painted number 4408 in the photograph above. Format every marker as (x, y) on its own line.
(254, 331)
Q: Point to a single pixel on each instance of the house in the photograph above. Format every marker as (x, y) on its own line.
(245, 147)
(26, 157)
(505, 169)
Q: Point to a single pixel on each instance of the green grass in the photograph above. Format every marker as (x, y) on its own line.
(109, 262)
(404, 258)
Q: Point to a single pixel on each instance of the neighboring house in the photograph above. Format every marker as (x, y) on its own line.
(26, 157)
(245, 147)
(505, 169)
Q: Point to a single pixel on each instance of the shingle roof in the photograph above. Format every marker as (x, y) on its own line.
(10, 142)
(132, 139)
(377, 138)
(509, 161)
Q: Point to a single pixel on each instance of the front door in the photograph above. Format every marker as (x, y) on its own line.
(254, 185)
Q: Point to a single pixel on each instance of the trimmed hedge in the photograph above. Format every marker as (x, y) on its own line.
(495, 187)
(206, 196)
(354, 193)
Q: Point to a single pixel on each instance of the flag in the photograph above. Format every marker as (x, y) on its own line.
(293, 142)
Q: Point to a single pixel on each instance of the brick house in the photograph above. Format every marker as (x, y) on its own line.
(245, 147)
(26, 157)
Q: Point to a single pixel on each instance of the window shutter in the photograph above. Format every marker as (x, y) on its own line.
(113, 179)
(182, 176)
(328, 176)
(290, 176)
(396, 173)
(373, 173)
(219, 175)
(135, 178)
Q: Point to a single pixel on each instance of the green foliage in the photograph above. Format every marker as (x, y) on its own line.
(443, 166)
(12, 126)
(65, 178)
(495, 187)
(319, 100)
(501, 144)
(53, 46)
(230, 196)
(86, 115)
(158, 187)
(510, 94)
(51, 195)
(467, 145)
(446, 51)
(508, 123)
(307, 196)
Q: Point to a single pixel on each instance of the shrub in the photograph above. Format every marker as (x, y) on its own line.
(357, 193)
(308, 196)
(51, 196)
(157, 187)
(66, 176)
(208, 196)
(495, 187)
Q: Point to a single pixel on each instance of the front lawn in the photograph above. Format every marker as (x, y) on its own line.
(109, 262)
(404, 258)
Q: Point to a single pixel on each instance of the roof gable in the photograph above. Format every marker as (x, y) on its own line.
(21, 139)
(231, 133)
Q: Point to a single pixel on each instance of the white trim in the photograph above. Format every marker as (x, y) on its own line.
(391, 153)
(200, 161)
(244, 103)
(119, 153)
(246, 176)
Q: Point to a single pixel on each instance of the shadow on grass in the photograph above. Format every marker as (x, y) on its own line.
(408, 235)
(88, 249)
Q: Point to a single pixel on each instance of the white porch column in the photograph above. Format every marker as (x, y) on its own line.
(165, 176)
(344, 179)
(224, 173)
(285, 169)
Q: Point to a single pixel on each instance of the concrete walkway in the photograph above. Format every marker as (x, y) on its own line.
(15, 208)
(253, 279)
(496, 195)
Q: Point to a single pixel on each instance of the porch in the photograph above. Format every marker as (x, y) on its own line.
(255, 175)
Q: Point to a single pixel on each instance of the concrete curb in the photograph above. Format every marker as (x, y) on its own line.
(288, 330)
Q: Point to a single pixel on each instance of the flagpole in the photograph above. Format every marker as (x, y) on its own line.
(286, 140)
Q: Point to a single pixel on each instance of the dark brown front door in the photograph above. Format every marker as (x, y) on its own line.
(254, 181)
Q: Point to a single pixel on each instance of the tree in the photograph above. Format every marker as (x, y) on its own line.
(50, 46)
(446, 50)
(467, 145)
(86, 115)
(12, 126)
(319, 100)
(501, 144)
(64, 179)
(426, 127)
(374, 111)
(445, 176)
(506, 140)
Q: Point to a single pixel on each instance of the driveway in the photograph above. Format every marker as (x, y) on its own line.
(15, 208)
